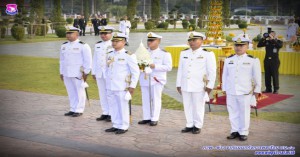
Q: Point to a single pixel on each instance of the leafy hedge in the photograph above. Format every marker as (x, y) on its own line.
(185, 24)
(149, 25)
(60, 32)
(3, 31)
(18, 32)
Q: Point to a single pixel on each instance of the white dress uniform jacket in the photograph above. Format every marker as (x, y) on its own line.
(73, 56)
(193, 66)
(163, 64)
(99, 70)
(124, 27)
(240, 75)
(291, 30)
(121, 65)
(102, 48)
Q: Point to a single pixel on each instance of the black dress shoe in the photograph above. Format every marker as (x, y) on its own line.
(153, 123)
(275, 92)
(233, 135)
(144, 121)
(111, 129)
(76, 114)
(70, 113)
(267, 91)
(121, 131)
(102, 117)
(243, 137)
(196, 130)
(108, 119)
(186, 129)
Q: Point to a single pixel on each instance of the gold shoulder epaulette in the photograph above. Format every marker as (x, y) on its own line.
(129, 53)
(251, 56)
(185, 49)
(231, 56)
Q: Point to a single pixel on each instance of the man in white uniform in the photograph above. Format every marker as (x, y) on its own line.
(196, 67)
(241, 81)
(75, 65)
(99, 68)
(291, 30)
(122, 77)
(162, 63)
(124, 27)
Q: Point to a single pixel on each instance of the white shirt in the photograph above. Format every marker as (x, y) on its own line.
(121, 65)
(125, 26)
(74, 55)
(193, 65)
(238, 74)
(291, 30)
(102, 48)
(163, 64)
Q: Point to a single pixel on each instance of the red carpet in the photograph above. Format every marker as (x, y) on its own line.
(268, 100)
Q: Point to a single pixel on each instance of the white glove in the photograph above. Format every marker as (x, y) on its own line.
(148, 70)
(127, 96)
(206, 97)
(253, 101)
(84, 85)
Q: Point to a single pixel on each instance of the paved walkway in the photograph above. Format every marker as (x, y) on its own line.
(33, 125)
(51, 49)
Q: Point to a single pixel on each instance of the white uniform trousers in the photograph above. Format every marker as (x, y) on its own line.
(156, 93)
(238, 107)
(194, 107)
(119, 109)
(101, 83)
(76, 94)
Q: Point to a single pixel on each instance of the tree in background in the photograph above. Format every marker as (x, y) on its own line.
(37, 11)
(226, 12)
(174, 15)
(102, 6)
(155, 9)
(86, 10)
(131, 9)
(56, 13)
(21, 16)
(203, 12)
(118, 11)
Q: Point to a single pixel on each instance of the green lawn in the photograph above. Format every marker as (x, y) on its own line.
(11, 40)
(40, 75)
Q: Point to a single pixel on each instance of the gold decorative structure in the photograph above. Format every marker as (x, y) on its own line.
(221, 59)
(214, 32)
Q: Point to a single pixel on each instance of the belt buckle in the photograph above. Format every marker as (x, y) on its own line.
(270, 57)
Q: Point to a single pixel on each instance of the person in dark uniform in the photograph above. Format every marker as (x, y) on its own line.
(103, 21)
(271, 62)
(76, 22)
(96, 24)
(82, 25)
